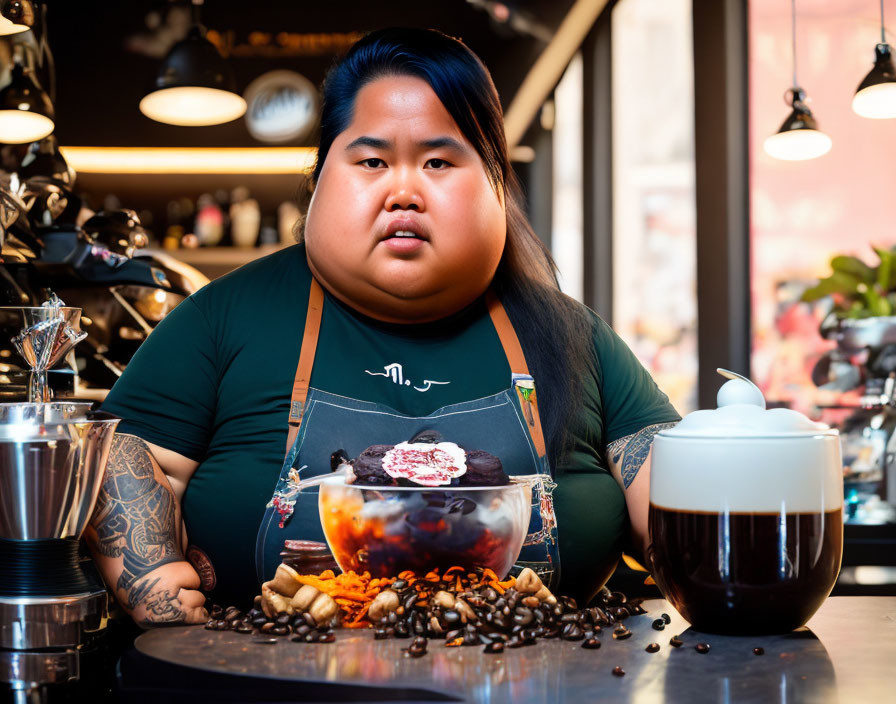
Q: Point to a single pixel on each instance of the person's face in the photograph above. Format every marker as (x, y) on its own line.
(404, 224)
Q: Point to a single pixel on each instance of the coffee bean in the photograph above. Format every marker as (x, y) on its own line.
(676, 642)
(621, 634)
(758, 651)
(471, 638)
(259, 622)
(312, 637)
(267, 627)
(572, 631)
(515, 642)
(569, 618)
(410, 601)
(402, 630)
(283, 620)
(619, 597)
(399, 584)
(591, 643)
(500, 603)
(495, 646)
(491, 595)
(658, 625)
(523, 616)
(618, 671)
(327, 638)
(452, 635)
(245, 628)
(551, 632)
(280, 630)
(380, 634)
(702, 648)
(215, 612)
(666, 618)
(255, 613)
(451, 616)
(303, 629)
(652, 648)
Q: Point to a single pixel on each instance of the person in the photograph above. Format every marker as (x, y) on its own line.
(417, 299)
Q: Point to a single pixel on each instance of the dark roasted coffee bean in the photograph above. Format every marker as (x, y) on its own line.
(667, 618)
(496, 637)
(230, 612)
(597, 629)
(210, 624)
(255, 613)
(652, 648)
(539, 615)
(244, 628)
(410, 601)
(216, 612)
(402, 630)
(702, 648)
(456, 633)
(399, 584)
(489, 594)
(471, 638)
(283, 620)
(301, 639)
(302, 629)
(676, 642)
(309, 619)
(530, 635)
(327, 638)
(451, 616)
(658, 625)
(280, 630)
(551, 632)
(619, 597)
(267, 627)
(419, 628)
(621, 634)
(558, 611)
(515, 642)
(523, 616)
(380, 634)
(494, 647)
(259, 622)
(392, 617)
(572, 631)
(569, 618)
(569, 603)
(618, 671)
(758, 651)
(591, 643)
(312, 637)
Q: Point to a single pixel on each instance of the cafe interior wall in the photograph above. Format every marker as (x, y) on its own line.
(804, 212)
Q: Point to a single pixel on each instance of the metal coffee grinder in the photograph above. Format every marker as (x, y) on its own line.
(52, 461)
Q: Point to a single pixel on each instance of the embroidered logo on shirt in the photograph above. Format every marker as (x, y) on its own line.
(395, 372)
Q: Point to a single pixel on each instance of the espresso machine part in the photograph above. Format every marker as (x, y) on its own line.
(45, 334)
(52, 461)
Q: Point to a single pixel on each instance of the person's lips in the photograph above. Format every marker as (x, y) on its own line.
(404, 235)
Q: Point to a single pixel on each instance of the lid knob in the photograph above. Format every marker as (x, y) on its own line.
(739, 390)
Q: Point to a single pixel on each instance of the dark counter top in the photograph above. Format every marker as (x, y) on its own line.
(846, 653)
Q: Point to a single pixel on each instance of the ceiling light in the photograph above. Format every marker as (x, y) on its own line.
(876, 95)
(26, 113)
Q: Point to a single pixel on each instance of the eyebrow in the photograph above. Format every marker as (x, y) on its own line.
(435, 143)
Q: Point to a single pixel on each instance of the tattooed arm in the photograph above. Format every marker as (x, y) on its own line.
(629, 460)
(135, 535)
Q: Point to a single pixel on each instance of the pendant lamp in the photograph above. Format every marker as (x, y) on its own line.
(16, 16)
(876, 95)
(26, 112)
(194, 86)
(798, 138)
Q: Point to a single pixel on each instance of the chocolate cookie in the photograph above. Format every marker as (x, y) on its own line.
(368, 467)
(483, 469)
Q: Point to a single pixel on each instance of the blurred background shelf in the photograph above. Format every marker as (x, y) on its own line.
(217, 261)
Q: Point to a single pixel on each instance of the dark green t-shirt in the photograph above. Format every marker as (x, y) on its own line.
(213, 383)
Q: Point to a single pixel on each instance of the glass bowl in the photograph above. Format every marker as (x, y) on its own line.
(385, 530)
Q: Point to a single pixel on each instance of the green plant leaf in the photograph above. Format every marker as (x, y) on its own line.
(886, 271)
(840, 282)
(853, 265)
(875, 303)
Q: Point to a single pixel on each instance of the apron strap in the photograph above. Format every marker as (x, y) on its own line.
(306, 361)
(517, 360)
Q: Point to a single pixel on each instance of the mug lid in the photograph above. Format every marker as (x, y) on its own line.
(742, 413)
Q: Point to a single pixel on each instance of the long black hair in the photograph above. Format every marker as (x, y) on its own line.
(555, 331)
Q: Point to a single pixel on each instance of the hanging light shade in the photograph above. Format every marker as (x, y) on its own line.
(194, 86)
(26, 113)
(16, 16)
(798, 137)
(876, 95)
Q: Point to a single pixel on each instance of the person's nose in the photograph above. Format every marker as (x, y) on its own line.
(404, 191)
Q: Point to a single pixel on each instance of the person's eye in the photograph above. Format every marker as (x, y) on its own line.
(438, 164)
(373, 162)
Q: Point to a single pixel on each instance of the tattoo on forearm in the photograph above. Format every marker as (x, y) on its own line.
(633, 450)
(135, 520)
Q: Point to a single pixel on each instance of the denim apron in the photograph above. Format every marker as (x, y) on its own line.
(505, 424)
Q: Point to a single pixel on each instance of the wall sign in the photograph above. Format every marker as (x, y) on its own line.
(282, 107)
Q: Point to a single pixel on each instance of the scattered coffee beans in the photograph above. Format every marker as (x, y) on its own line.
(659, 624)
(702, 648)
(591, 644)
(666, 618)
(652, 648)
(676, 642)
(758, 651)
(618, 671)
